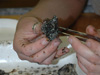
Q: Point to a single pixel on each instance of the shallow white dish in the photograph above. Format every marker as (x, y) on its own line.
(9, 59)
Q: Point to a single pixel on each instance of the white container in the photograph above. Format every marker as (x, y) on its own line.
(9, 61)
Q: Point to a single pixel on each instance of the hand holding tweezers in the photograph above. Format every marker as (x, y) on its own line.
(82, 37)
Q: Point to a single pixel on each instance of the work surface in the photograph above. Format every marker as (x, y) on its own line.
(83, 21)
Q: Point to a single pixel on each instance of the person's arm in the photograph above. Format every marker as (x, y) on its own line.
(66, 10)
(35, 47)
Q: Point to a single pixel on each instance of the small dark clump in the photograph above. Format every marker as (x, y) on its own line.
(20, 72)
(68, 69)
(3, 72)
(50, 28)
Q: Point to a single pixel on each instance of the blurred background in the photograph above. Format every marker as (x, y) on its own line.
(16, 7)
(19, 7)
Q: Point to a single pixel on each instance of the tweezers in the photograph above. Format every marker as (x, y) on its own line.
(81, 36)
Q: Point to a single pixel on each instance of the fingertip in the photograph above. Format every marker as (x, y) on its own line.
(37, 28)
(61, 52)
(90, 29)
(56, 41)
(72, 39)
(64, 50)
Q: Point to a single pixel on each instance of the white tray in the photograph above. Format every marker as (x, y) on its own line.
(10, 62)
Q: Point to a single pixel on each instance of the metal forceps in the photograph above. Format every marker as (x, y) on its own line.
(82, 37)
